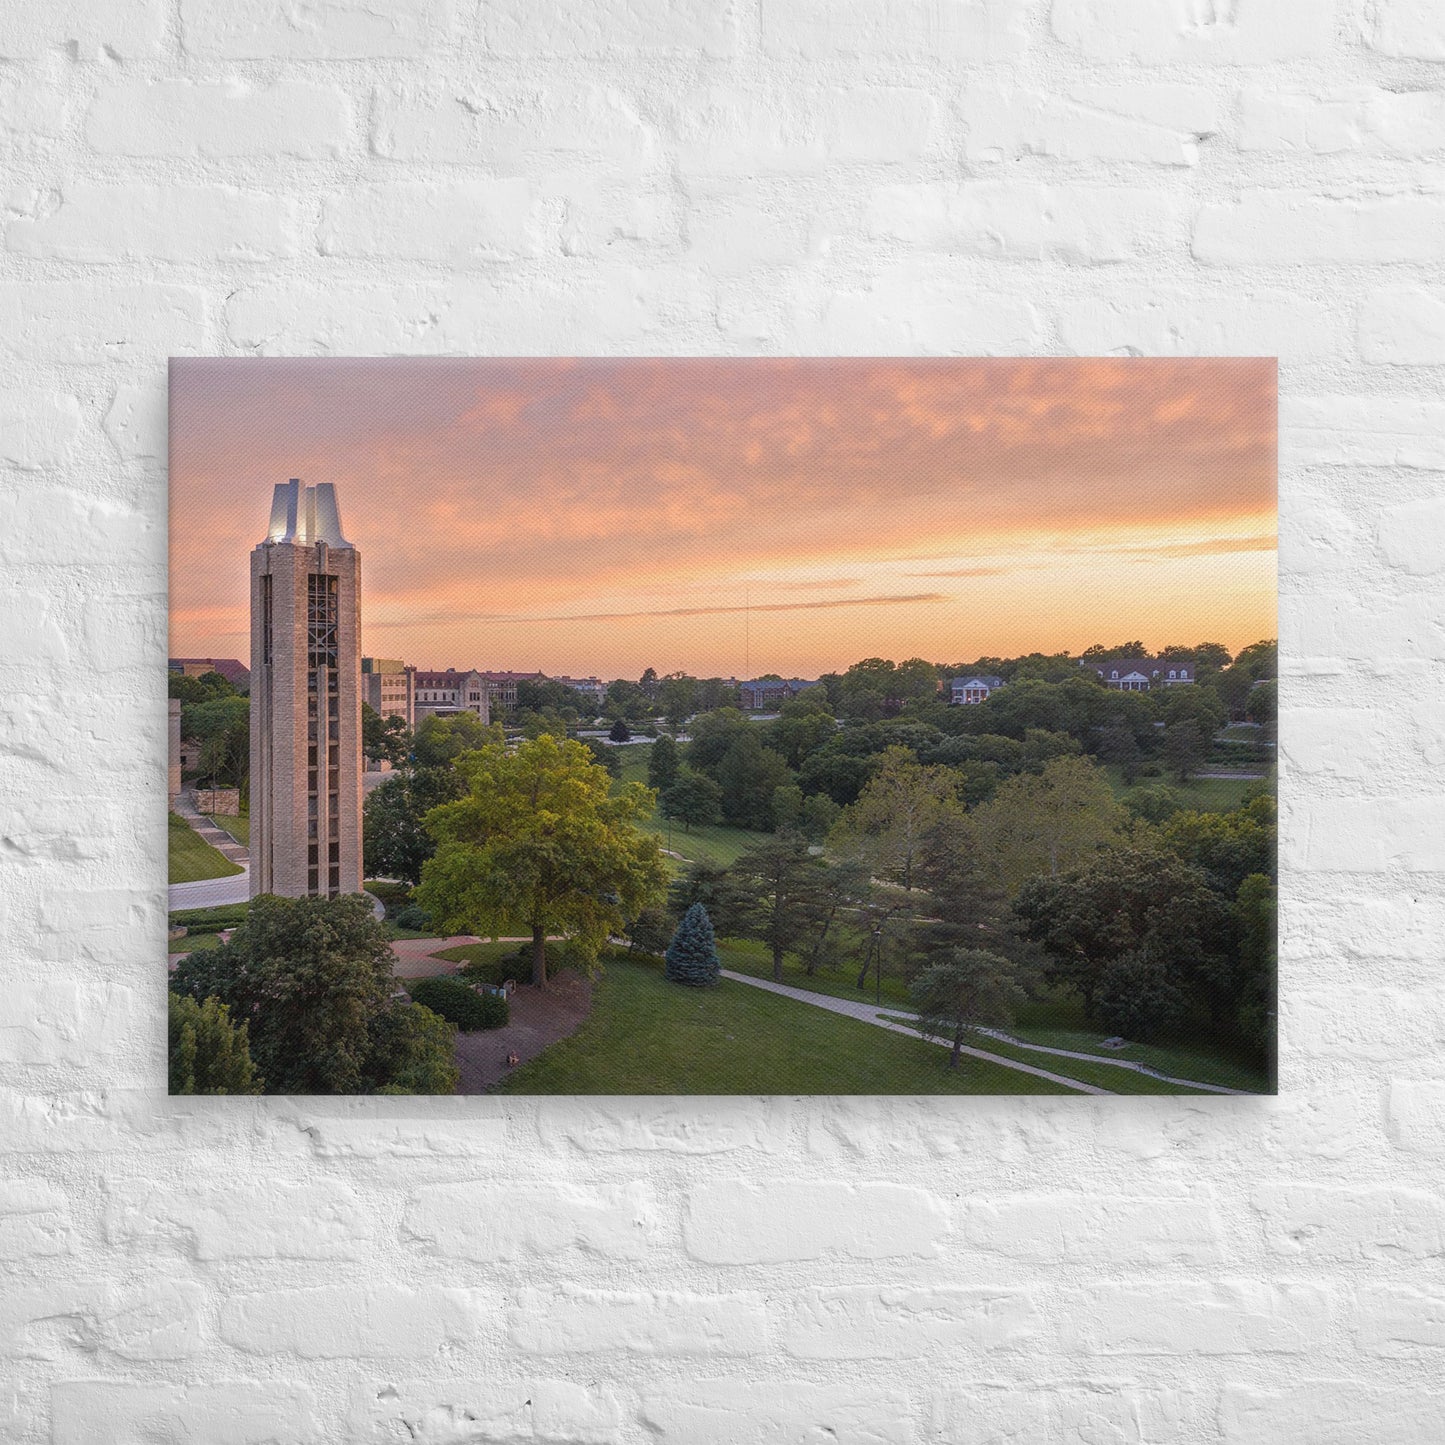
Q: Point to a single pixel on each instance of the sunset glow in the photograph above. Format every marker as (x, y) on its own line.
(724, 517)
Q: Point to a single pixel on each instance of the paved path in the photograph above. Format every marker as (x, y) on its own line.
(868, 1013)
(211, 892)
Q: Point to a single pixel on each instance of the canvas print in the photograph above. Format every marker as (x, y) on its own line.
(717, 726)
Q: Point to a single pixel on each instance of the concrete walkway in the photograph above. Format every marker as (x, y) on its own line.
(210, 892)
(868, 1013)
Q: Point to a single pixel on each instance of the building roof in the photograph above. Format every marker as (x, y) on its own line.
(988, 682)
(232, 669)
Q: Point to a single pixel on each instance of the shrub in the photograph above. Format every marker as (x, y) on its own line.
(394, 896)
(459, 1003)
(692, 955)
(412, 917)
(210, 920)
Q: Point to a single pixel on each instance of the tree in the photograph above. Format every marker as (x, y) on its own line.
(1261, 704)
(1227, 847)
(440, 741)
(662, 764)
(413, 1051)
(803, 726)
(788, 809)
(208, 1053)
(394, 839)
(748, 774)
(311, 976)
(965, 905)
(713, 733)
(720, 892)
(1047, 822)
(547, 695)
(901, 803)
(384, 738)
(541, 842)
(1254, 916)
(1185, 748)
(626, 700)
(692, 955)
(1135, 911)
(677, 698)
(1119, 747)
(222, 727)
(972, 988)
(603, 755)
(649, 932)
(205, 688)
(692, 798)
(620, 732)
(820, 814)
(777, 879)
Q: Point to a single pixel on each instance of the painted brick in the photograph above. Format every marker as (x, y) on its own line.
(1403, 326)
(550, 1412)
(1280, 227)
(99, 222)
(349, 1132)
(325, 1219)
(215, 120)
(67, 1021)
(1330, 1412)
(572, 1319)
(1245, 32)
(1397, 1320)
(128, 29)
(37, 428)
(507, 129)
(741, 1223)
(520, 1221)
(1233, 322)
(1225, 1317)
(1343, 1222)
(159, 1320)
(110, 1412)
(956, 31)
(667, 1126)
(1360, 118)
(1083, 225)
(1417, 1113)
(1411, 29)
(898, 1323)
(34, 1220)
(330, 30)
(461, 223)
(720, 1412)
(667, 27)
(1117, 1412)
(1384, 431)
(1340, 835)
(136, 423)
(84, 322)
(1154, 124)
(340, 1322)
(91, 529)
(31, 109)
(1063, 1227)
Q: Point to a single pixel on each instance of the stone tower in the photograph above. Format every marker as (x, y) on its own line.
(305, 700)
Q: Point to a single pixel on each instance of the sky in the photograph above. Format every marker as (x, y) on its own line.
(731, 517)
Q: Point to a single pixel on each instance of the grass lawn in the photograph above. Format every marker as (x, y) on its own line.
(1204, 795)
(238, 828)
(1059, 1023)
(647, 1036)
(755, 960)
(192, 858)
(707, 843)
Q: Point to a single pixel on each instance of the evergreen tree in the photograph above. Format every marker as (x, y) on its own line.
(662, 764)
(208, 1053)
(692, 955)
(620, 733)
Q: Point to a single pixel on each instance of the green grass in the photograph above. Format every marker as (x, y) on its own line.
(706, 843)
(195, 943)
(647, 1036)
(1058, 1022)
(755, 960)
(1204, 795)
(192, 858)
(238, 828)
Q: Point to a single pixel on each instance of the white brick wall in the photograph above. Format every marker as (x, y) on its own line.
(702, 176)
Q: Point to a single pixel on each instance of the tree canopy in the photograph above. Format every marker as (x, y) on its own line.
(541, 843)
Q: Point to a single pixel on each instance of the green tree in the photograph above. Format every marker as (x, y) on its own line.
(603, 754)
(620, 732)
(311, 976)
(677, 698)
(540, 842)
(1227, 847)
(626, 700)
(719, 891)
(713, 733)
(819, 816)
(788, 809)
(662, 764)
(748, 775)
(803, 726)
(692, 799)
(440, 741)
(1254, 916)
(965, 902)
(1186, 748)
(692, 955)
(394, 839)
(973, 988)
(901, 803)
(778, 882)
(208, 1053)
(1120, 748)
(413, 1051)
(222, 727)
(1047, 822)
(384, 739)
(205, 688)
(1261, 704)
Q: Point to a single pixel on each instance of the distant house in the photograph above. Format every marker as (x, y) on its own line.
(232, 669)
(443, 694)
(962, 690)
(765, 693)
(1139, 674)
(591, 688)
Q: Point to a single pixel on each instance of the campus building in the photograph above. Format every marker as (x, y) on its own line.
(441, 694)
(305, 700)
(389, 686)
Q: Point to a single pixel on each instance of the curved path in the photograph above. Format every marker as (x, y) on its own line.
(868, 1013)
